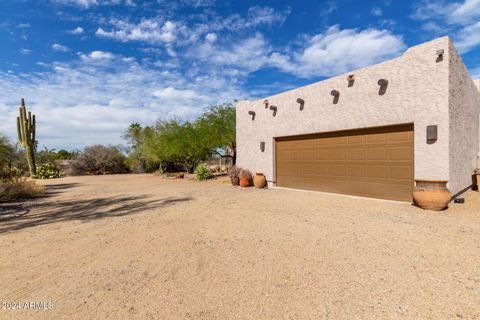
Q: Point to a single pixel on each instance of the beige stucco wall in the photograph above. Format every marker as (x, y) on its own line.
(417, 93)
(464, 135)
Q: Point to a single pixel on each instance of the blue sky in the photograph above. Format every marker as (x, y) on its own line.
(88, 68)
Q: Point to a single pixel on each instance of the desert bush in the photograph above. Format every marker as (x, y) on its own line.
(19, 189)
(245, 174)
(234, 173)
(47, 171)
(203, 172)
(99, 159)
(12, 160)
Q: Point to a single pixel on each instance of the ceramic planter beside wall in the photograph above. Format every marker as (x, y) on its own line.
(431, 194)
(259, 181)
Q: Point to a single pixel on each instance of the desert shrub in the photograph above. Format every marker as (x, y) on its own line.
(19, 189)
(203, 172)
(12, 160)
(99, 159)
(245, 174)
(234, 173)
(47, 171)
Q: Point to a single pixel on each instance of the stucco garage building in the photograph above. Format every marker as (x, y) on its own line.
(370, 132)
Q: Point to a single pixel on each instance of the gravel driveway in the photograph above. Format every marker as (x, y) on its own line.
(146, 247)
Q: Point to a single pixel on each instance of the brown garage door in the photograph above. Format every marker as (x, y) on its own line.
(374, 162)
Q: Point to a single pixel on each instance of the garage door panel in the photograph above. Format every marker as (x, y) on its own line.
(376, 138)
(377, 171)
(375, 162)
(378, 153)
(356, 154)
(400, 173)
(403, 152)
(338, 154)
(354, 171)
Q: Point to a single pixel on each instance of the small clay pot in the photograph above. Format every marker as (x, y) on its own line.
(245, 182)
(259, 181)
(235, 181)
(431, 194)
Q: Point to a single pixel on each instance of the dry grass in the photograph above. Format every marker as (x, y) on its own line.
(19, 189)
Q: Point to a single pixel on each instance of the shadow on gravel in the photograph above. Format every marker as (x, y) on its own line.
(54, 189)
(83, 210)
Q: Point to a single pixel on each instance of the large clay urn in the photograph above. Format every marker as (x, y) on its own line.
(245, 182)
(431, 194)
(259, 181)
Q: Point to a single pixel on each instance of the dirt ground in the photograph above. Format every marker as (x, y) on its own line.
(146, 247)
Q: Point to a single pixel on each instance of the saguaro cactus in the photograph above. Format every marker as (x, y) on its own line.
(26, 135)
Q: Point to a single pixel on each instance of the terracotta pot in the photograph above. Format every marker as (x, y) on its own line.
(235, 181)
(245, 182)
(259, 181)
(431, 194)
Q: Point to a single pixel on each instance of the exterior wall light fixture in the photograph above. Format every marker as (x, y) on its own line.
(336, 96)
(301, 102)
(262, 146)
(265, 102)
(252, 113)
(274, 109)
(383, 83)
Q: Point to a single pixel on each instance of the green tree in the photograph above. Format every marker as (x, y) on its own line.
(173, 141)
(133, 135)
(63, 154)
(6, 152)
(218, 127)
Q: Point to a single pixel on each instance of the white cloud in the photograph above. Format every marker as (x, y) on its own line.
(25, 52)
(460, 19)
(468, 37)
(211, 37)
(148, 30)
(23, 25)
(158, 31)
(337, 51)
(97, 55)
(59, 48)
(77, 30)
(241, 57)
(89, 3)
(84, 102)
(376, 11)
(171, 96)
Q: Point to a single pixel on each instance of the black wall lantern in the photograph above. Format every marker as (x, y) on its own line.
(265, 102)
(301, 102)
(383, 83)
(336, 96)
(262, 146)
(274, 109)
(432, 134)
(252, 113)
